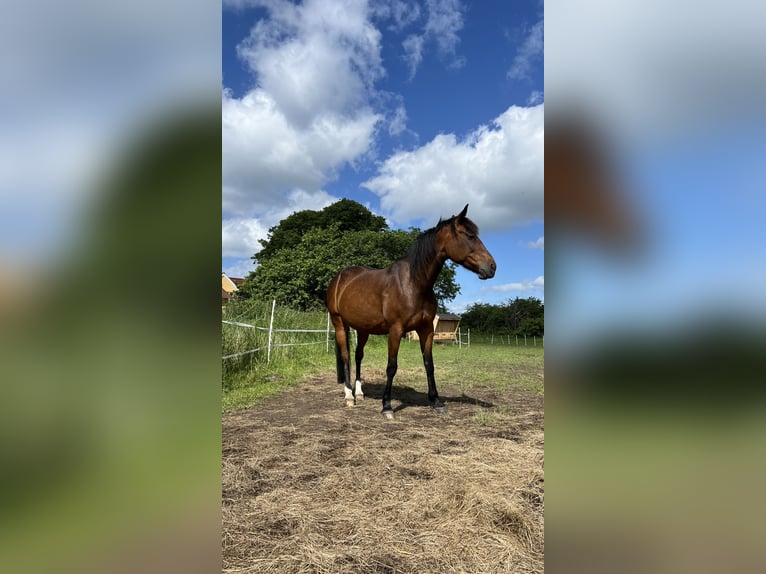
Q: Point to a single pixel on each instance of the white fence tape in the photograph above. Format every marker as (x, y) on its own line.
(241, 325)
(296, 344)
(236, 324)
(242, 353)
(298, 330)
(271, 330)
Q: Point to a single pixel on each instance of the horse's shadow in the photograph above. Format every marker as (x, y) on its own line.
(411, 397)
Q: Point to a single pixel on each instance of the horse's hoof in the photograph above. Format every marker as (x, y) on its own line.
(441, 409)
(388, 415)
(350, 403)
(359, 398)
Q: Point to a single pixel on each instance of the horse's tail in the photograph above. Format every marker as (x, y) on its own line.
(339, 366)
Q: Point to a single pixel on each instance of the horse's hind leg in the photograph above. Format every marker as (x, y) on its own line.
(343, 359)
(339, 368)
(359, 355)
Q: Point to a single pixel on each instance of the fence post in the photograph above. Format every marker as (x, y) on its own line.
(327, 336)
(459, 339)
(517, 340)
(469, 337)
(534, 340)
(271, 327)
(525, 339)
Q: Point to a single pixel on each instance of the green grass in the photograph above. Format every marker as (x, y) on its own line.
(249, 379)
(499, 366)
(492, 417)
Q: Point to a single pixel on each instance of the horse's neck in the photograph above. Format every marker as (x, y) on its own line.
(425, 278)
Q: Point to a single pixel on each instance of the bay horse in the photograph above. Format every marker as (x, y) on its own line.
(400, 298)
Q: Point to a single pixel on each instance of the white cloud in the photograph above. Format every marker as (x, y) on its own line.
(402, 13)
(443, 24)
(316, 58)
(461, 306)
(239, 237)
(538, 244)
(445, 20)
(497, 169)
(264, 155)
(413, 52)
(239, 268)
(308, 115)
(530, 51)
(525, 285)
(536, 97)
(398, 122)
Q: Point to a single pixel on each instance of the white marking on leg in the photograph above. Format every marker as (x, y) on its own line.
(359, 393)
(348, 396)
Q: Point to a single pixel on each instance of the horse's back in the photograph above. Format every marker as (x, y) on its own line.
(341, 282)
(357, 293)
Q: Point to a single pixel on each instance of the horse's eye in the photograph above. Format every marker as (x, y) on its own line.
(471, 236)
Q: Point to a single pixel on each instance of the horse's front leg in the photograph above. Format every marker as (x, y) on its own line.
(426, 336)
(394, 338)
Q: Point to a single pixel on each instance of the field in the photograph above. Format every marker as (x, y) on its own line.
(310, 485)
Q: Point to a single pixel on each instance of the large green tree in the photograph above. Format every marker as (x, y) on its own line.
(346, 214)
(308, 248)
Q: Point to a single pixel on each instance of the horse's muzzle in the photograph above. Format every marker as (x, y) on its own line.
(487, 271)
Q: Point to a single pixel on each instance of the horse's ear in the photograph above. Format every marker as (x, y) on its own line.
(461, 215)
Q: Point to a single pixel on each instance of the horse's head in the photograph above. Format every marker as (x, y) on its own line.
(461, 243)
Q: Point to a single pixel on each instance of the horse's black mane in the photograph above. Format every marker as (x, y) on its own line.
(423, 251)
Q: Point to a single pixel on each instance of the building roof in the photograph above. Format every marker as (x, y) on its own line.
(230, 284)
(448, 317)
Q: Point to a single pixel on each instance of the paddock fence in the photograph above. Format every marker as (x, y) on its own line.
(271, 338)
(511, 340)
(272, 332)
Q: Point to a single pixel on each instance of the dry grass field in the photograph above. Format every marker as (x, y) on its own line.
(312, 486)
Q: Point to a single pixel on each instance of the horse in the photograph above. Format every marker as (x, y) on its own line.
(400, 298)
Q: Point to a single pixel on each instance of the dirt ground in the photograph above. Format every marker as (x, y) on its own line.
(310, 485)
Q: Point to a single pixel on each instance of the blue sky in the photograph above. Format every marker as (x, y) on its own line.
(411, 108)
